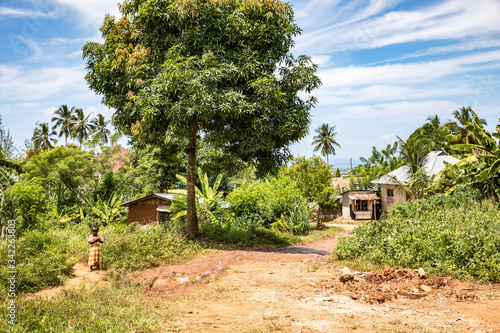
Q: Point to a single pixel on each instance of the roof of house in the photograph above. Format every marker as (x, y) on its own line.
(433, 164)
(165, 196)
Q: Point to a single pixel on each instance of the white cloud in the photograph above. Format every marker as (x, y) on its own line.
(404, 111)
(453, 19)
(92, 11)
(22, 13)
(20, 84)
(398, 74)
(385, 93)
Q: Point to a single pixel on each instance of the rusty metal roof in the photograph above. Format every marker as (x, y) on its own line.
(363, 197)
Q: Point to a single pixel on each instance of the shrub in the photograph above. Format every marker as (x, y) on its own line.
(269, 201)
(41, 261)
(131, 248)
(28, 200)
(451, 235)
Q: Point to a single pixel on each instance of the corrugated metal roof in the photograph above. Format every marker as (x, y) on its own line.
(433, 164)
(364, 197)
(166, 196)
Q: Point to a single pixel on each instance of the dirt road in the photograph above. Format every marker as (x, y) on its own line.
(297, 289)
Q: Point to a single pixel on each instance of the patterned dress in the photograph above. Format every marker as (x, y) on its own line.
(94, 250)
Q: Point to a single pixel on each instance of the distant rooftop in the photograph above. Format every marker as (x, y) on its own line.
(433, 164)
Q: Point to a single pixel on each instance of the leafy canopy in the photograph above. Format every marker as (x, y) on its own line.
(221, 69)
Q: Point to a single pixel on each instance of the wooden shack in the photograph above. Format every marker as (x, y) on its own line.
(359, 205)
(151, 208)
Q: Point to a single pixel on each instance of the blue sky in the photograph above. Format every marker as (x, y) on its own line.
(386, 65)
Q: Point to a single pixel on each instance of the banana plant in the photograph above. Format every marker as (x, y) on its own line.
(207, 197)
(109, 210)
(64, 215)
(481, 162)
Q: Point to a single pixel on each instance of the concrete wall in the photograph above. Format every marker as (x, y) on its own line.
(144, 211)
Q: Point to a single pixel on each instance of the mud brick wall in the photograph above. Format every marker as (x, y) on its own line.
(144, 212)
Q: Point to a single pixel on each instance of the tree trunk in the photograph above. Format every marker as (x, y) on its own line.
(192, 220)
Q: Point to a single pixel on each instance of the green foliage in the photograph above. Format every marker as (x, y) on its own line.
(210, 196)
(180, 76)
(337, 173)
(326, 198)
(42, 137)
(29, 201)
(481, 162)
(244, 232)
(269, 201)
(312, 176)
(450, 235)
(41, 261)
(97, 309)
(107, 211)
(68, 167)
(378, 164)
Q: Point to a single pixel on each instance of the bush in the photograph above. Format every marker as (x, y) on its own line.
(269, 201)
(41, 261)
(451, 235)
(28, 200)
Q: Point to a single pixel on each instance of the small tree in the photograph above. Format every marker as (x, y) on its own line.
(312, 176)
(337, 173)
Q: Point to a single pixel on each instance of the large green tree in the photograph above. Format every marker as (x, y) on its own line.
(325, 140)
(218, 69)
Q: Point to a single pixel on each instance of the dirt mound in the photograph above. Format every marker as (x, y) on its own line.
(392, 284)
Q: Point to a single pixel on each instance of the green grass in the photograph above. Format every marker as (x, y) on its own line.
(99, 309)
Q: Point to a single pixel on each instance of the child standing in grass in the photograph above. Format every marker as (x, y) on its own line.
(95, 241)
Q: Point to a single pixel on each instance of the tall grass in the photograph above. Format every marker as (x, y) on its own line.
(99, 309)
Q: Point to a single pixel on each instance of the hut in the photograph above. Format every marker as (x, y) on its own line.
(150, 208)
(359, 205)
(393, 184)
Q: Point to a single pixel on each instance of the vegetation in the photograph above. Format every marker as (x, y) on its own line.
(448, 235)
(312, 176)
(175, 77)
(121, 309)
(275, 203)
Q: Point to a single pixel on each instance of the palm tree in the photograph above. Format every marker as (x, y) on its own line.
(100, 126)
(325, 140)
(81, 126)
(461, 135)
(64, 118)
(42, 138)
(467, 115)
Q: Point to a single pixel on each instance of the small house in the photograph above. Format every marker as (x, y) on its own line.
(393, 184)
(151, 208)
(359, 205)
